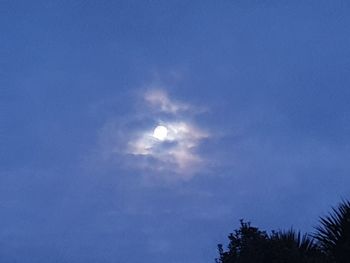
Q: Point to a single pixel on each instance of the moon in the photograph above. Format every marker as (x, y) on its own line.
(160, 132)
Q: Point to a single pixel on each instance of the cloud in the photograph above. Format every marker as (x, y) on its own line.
(132, 139)
(159, 100)
(177, 151)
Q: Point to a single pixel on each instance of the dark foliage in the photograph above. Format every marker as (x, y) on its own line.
(250, 245)
(333, 234)
(246, 245)
(329, 244)
(291, 247)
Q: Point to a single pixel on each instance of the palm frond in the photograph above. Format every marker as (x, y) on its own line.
(333, 234)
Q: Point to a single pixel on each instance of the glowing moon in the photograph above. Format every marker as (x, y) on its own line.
(160, 132)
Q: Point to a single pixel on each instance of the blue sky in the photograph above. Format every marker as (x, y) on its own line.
(254, 95)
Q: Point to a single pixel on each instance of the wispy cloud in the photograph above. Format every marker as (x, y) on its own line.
(160, 100)
(176, 153)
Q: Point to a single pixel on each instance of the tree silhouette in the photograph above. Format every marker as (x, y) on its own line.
(247, 244)
(290, 247)
(250, 245)
(333, 234)
(329, 244)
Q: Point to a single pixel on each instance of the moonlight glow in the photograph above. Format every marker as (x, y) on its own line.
(160, 133)
(171, 145)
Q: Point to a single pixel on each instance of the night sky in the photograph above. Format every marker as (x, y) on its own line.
(252, 104)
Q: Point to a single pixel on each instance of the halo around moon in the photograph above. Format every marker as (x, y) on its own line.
(160, 132)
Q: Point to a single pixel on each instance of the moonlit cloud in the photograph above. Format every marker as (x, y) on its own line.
(131, 141)
(177, 153)
(160, 101)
